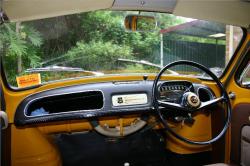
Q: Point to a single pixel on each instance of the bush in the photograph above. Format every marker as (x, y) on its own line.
(96, 55)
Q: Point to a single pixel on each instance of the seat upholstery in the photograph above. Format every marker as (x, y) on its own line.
(245, 146)
(245, 143)
(221, 164)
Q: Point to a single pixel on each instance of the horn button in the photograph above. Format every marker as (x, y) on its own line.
(191, 100)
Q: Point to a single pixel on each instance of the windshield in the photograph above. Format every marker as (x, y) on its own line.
(96, 43)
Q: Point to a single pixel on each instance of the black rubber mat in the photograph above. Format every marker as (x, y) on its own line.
(92, 149)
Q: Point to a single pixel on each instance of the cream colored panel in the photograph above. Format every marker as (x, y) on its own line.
(234, 12)
(145, 5)
(129, 99)
(23, 10)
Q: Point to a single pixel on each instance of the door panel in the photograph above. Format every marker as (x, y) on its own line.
(5, 148)
(240, 118)
(241, 108)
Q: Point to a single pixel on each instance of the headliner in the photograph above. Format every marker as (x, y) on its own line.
(234, 12)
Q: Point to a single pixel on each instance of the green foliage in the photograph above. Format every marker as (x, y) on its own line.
(138, 68)
(107, 26)
(24, 44)
(13, 44)
(32, 36)
(95, 55)
(18, 44)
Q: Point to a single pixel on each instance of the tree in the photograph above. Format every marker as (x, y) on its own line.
(20, 45)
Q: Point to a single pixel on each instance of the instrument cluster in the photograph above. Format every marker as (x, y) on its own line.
(172, 91)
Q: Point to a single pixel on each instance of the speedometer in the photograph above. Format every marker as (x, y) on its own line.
(173, 91)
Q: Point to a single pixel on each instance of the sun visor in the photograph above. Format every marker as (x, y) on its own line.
(233, 12)
(25, 10)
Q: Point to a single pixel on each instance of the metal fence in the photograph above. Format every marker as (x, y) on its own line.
(210, 55)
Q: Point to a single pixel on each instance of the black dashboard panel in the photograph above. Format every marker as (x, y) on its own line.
(87, 101)
(22, 116)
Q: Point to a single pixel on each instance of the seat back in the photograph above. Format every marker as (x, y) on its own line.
(245, 146)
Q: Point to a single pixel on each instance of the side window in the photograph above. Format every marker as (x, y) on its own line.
(245, 76)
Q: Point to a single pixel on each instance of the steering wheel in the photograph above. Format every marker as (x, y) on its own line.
(191, 103)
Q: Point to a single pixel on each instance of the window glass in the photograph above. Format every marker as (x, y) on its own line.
(245, 76)
(94, 44)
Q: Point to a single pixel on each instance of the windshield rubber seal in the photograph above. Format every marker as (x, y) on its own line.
(15, 89)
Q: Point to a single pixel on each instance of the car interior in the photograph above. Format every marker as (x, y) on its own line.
(125, 82)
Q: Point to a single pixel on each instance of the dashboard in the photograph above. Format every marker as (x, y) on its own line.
(101, 99)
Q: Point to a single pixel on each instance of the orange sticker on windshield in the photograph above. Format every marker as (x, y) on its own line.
(28, 80)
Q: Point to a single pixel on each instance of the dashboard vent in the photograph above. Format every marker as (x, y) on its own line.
(204, 94)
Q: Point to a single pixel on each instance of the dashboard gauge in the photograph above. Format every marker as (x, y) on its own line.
(172, 91)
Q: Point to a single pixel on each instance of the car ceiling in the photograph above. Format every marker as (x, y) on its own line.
(234, 12)
(24, 10)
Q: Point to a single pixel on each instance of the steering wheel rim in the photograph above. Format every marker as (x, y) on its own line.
(224, 96)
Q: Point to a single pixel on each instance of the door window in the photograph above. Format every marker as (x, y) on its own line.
(245, 76)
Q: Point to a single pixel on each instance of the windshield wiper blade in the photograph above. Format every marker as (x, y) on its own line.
(143, 62)
(53, 68)
(61, 69)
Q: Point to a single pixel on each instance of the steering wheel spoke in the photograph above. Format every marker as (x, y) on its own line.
(211, 103)
(171, 105)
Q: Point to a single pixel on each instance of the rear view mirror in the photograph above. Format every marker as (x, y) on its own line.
(140, 23)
